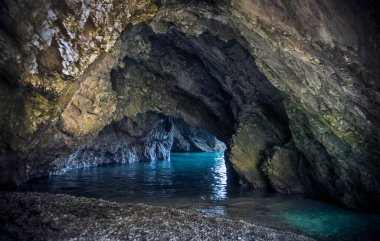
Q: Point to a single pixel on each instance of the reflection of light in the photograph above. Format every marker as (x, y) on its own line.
(220, 177)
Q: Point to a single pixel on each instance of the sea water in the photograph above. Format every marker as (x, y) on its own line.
(199, 181)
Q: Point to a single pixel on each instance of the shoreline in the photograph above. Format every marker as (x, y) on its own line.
(43, 216)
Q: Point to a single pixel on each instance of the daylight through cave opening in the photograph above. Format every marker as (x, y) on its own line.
(212, 82)
(208, 82)
(146, 137)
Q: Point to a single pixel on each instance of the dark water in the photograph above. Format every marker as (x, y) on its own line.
(199, 181)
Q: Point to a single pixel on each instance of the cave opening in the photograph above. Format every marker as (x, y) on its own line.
(208, 87)
(151, 158)
(147, 158)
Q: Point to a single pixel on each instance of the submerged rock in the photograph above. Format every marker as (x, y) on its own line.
(38, 216)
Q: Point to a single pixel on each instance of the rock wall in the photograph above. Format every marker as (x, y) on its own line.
(146, 137)
(291, 87)
(47, 46)
(189, 139)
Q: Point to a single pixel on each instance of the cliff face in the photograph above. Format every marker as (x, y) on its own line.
(291, 87)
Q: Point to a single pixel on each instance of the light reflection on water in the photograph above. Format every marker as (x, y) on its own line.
(199, 181)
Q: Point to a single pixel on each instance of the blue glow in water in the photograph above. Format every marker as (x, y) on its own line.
(328, 222)
(199, 181)
(196, 176)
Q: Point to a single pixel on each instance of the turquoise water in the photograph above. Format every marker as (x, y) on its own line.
(199, 181)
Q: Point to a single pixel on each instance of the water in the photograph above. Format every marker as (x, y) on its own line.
(199, 181)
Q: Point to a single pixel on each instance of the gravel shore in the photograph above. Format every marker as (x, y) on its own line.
(42, 216)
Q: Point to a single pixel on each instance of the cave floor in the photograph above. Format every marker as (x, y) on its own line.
(41, 216)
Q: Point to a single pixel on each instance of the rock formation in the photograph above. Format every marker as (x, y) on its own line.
(190, 139)
(146, 137)
(291, 87)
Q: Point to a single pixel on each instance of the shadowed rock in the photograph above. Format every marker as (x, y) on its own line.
(189, 139)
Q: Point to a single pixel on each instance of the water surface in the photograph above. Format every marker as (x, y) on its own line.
(199, 181)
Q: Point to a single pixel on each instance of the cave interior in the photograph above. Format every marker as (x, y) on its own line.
(288, 91)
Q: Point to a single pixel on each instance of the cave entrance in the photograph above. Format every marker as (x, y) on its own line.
(189, 177)
(207, 69)
(212, 82)
(190, 139)
(150, 158)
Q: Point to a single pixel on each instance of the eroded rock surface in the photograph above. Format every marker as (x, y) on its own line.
(37, 216)
(257, 74)
(189, 139)
(46, 47)
(283, 169)
(146, 137)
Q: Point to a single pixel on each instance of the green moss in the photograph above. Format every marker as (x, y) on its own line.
(250, 147)
(332, 119)
(38, 111)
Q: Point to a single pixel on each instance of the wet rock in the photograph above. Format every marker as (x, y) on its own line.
(282, 169)
(146, 137)
(46, 46)
(38, 216)
(189, 139)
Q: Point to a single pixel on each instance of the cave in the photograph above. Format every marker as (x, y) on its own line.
(287, 93)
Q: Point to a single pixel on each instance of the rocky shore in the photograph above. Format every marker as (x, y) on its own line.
(40, 216)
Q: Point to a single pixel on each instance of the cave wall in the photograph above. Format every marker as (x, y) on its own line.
(290, 87)
(189, 139)
(47, 46)
(145, 137)
(325, 62)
